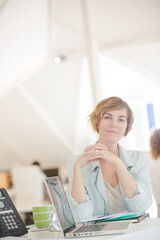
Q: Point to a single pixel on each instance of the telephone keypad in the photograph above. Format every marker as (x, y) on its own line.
(11, 223)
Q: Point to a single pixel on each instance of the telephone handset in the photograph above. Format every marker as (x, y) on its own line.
(11, 223)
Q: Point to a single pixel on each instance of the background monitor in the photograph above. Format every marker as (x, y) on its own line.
(51, 172)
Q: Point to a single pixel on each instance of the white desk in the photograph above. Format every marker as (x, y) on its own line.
(147, 229)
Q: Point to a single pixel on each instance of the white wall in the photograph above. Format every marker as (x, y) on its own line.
(23, 38)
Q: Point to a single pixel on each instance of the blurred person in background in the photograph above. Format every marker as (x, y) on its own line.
(43, 177)
(155, 166)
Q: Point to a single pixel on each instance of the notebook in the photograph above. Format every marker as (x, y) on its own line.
(133, 217)
(65, 218)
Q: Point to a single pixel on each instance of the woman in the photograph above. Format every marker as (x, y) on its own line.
(106, 178)
(155, 167)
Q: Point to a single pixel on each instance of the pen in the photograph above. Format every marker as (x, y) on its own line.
(112, 214)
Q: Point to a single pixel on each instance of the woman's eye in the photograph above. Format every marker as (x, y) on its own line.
(107, 117)
(121, 120)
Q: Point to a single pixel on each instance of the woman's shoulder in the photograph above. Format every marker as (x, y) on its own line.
(132, 152)
(137, 153)
(133, 157)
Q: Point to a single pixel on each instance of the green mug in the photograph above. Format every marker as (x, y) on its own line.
(43, 216)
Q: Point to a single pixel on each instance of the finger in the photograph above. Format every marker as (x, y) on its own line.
(94, 147)
(95, 152)
(88, 148)
(94, 160)
(94, 155)
(99, 145)
(100, 148)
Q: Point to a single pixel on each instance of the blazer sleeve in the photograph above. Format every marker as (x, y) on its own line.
(141, 173)
(80, 211)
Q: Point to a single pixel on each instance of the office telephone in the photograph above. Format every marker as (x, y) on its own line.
(11, 223)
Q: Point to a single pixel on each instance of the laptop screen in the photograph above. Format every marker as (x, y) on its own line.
(60, 202)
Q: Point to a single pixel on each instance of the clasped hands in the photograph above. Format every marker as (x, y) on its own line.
(96, 152)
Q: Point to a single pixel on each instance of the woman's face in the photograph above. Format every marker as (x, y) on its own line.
(112, 126)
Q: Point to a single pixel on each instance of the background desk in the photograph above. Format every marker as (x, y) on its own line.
(147, 230)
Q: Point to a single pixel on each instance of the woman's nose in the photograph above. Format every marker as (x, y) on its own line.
(114, 123)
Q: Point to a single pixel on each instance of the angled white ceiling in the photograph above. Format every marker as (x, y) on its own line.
(118, 23)
(40, 102)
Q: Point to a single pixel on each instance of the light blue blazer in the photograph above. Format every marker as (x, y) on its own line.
(137, 164)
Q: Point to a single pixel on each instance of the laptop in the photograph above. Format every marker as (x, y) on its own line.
(65, 218)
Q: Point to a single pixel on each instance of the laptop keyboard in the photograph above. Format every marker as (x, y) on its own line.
(91, 228)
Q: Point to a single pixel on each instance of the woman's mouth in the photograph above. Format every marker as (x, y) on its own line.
(111, 132)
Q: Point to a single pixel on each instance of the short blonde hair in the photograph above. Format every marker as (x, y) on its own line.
(110, 104)
(155, 143)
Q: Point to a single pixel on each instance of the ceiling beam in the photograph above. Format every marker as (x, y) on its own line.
(130, 63)
(49, 28)
(64, 24)
(24, 76)
(137, 41)
(117, 45)
(92, 48)
(2, 5)
(45, 117)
